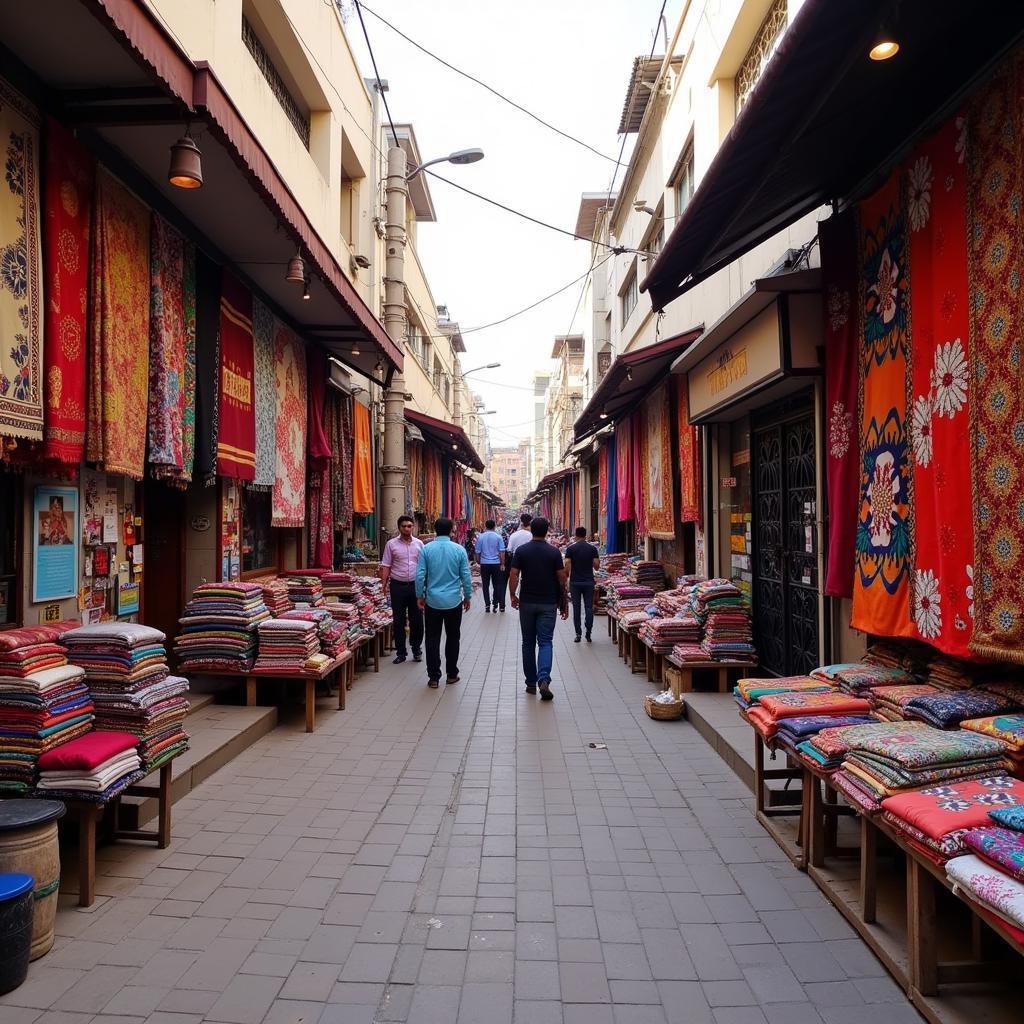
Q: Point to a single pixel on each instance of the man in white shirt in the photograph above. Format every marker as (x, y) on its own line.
(398, 567)
(521, 536)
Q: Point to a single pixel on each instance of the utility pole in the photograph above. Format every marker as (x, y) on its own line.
(395, 323)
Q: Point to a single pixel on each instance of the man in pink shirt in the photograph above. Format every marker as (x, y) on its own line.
(398, 567)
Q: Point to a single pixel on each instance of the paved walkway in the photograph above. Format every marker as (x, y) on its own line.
(461, 855)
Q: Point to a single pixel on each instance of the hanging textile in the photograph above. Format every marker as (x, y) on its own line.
(838, 240)
(942, 540)
(21, 278)
(119, 331)
(265, 402)
(339, 436)
(611, 521)
(68, 180)
(362, 467)
(602, 488)
(172, 350)
(995, 147)
(321, 519)
(236, 437)
(208, 278)
(638, 463)
(624, 470)
(689, 458)
(881, 597)
(659, 501)
(288, 507)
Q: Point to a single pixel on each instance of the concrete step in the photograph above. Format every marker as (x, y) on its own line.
(218, 733)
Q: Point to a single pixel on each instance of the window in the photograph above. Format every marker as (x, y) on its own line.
(629, 296)
(259, 541)
(349, 209)
(292, 108)
(683, 186)
(761, 50)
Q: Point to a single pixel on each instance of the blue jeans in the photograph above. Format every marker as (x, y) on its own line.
(537, 621)
(582, 592)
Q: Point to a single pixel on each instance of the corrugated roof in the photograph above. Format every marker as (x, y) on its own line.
(638, 92)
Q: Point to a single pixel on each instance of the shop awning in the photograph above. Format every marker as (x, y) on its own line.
(490, 497)
(109, 69)
(547, 483)
(448, 437)
(628, 379)
(824, 120)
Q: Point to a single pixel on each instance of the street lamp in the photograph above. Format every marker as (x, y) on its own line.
(460, 156)
(476, 369)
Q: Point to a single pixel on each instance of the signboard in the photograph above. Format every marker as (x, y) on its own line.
(128, 598)
(728, 481)
(50, 612)
(55, 543)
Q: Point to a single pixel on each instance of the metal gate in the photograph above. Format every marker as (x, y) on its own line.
(786, 546)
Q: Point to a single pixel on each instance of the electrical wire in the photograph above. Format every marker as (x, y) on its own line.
(376, 73)
(490, 89)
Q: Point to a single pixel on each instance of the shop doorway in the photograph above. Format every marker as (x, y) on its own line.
(163, 580)
(785, 539)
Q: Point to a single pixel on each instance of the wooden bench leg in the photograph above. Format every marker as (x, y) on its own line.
(87, 855)
(686, 681)
(723, 680)
(341, 676)
(868, 869)
(758, 773)
(164, 808)
(250, 692)
(816, 826)
(649, 665)
(922, 953)
(310, 704)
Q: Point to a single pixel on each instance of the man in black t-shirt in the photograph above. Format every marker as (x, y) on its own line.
(582, 558)
(538, 565)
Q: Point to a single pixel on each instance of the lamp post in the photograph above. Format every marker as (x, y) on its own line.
(396, 322)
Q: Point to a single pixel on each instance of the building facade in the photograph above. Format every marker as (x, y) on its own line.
(509, 470)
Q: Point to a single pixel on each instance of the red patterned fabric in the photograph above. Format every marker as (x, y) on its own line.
(838, 240)
(87, 752)
(638, 462)
(602, 488)
(689, 460)
(659, 500)
(624, 470)
(68, 173)
(26, 636)
(321, 526)
(236, 438)
(289, 497)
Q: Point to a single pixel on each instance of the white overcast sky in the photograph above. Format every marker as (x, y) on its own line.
(569, 62)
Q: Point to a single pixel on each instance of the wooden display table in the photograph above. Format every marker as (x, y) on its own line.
(685, 670)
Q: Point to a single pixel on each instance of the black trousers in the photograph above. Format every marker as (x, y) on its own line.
(403, 602)
(492, 575)
(451, 620)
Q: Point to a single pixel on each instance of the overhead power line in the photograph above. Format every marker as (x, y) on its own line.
(490, 89)
(376, 73)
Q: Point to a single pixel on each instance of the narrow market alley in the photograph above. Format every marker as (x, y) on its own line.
(463, 855)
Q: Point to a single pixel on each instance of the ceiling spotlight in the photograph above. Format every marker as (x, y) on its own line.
(378, 367)
(884, 44)
(305, 289)
(604, 415)
(355, 350)
(455, 447)
(296, 270)
(186, 167)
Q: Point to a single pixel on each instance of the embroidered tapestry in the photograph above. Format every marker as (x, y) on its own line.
(208, 279)
(21, 278)
(289, 498)
(68, 177)
(881, 593)
(995, 148)
(236, 436)
(321, 519)
(602, 487)
(942, 538)
(118, 331)
(689, 459)
(339, 436)
(362, 465)
(1001, 847)
(263, 366)
(638, 462)
(624, 470)
(659, 501)
(837, 237)
(172, 352)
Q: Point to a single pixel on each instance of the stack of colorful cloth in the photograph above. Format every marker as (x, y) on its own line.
(285, 645)
(937, 821)
(828, 747)
(689, 653)
(377, 604)
(94, 767)
(218, 628)
(946, 709)
(634, 618)
(728, 635)
(628, 596)
(890, 702)
(275, 596)
(948, 673)
(912, 655)
(1009, 730)
(334, 582)
(305, 591)
(331, 634)
(671, 602)
(885, 765)
(771, 709)
(661, 635)
(650, 574)
(864, 677)
(750, 691)
(793, 732)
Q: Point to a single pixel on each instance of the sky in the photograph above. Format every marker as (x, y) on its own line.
(569, 62)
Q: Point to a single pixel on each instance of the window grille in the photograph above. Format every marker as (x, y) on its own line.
(765, 43)
(291, 108)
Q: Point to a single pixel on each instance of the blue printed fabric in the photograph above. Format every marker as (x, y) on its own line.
(1010, 817)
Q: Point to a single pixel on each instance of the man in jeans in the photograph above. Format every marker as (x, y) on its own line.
(490, 554)
(582, 559)
(443, 589)
(539, 566)
(398, 565)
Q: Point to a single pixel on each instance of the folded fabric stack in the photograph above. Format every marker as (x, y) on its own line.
(829, 746)
(375, 609)
(911, 655)
(633, 618)
(771, 709)
(650, 574)
(626, 596)
(1000, 848)
(126, 669)
(859, 679)
(991, 889)
(275, 596)
(218, 627)
(1009, 688)
(334, 582)
(661, 635)
(884, 765)
(331, 634)
(728, 635)
(947, 708)
(949, 673)
(688, 653)
(938, 821)
(890, 702)
(829, 672)
(671, 602)
(305, 591)
(795, 731)
(314, 574)
(1009, 730)
(750, 691)
(93, 767)
(285, 645)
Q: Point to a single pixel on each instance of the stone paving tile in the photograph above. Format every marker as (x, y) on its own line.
(463, 856)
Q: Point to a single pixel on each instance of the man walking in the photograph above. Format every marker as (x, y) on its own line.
(490, 554)
(538, 565)
(522, 535)
(582, 558)
(443, 589)
(398, 566)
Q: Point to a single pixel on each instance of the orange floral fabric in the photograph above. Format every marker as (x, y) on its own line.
(362, 469)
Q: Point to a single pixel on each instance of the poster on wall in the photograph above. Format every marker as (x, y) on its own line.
(55, 543)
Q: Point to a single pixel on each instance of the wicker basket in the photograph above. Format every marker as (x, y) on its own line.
(662, 711)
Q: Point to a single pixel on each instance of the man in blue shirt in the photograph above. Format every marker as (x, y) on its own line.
(490, 555)
(443, 590)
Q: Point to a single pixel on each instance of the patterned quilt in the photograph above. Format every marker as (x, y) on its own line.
(1009, 817)
(1008, 728)
(915, 749)
(990, 887)
(857, 678)
(1003, 848)
(795, 705)
(948, 710)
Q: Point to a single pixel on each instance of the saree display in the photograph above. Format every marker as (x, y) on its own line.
(208, 277)
(321, 520)
(362, 465)
(995, 147)
(838, 240)
(68, 177)
(881, 591)
(288, 507)
(119, 331)
(263, 366)
(236, 436)
(689, 459)
(659, 501)
(21, 279)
